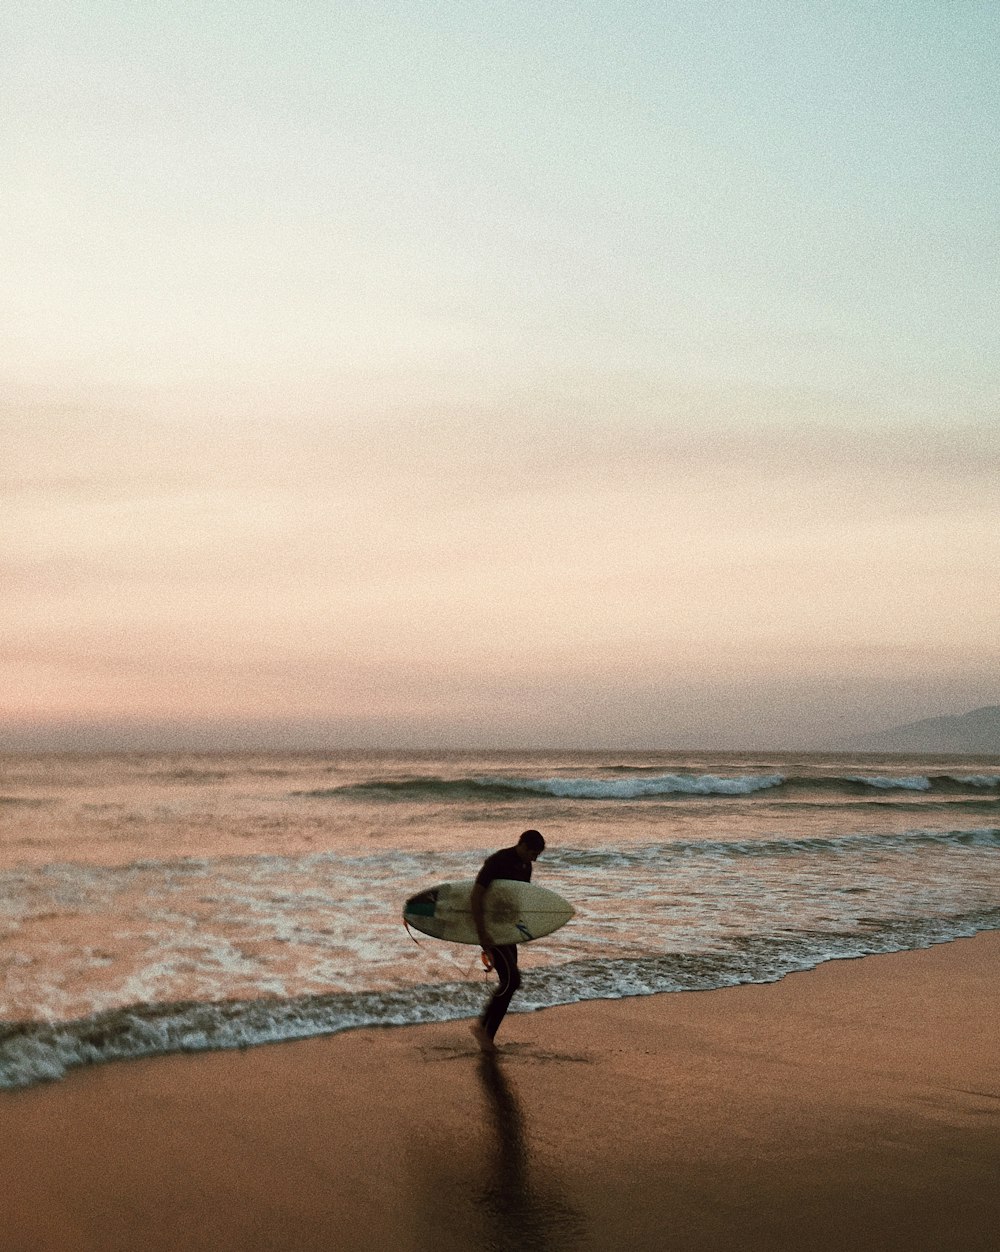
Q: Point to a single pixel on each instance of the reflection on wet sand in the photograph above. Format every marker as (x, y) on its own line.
(521, 1204)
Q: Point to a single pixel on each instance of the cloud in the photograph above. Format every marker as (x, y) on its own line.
(458, 568)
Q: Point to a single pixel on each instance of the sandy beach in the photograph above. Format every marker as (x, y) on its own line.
(853, 1106)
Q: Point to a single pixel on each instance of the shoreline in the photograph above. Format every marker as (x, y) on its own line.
(38, 1051)
(853, 1105)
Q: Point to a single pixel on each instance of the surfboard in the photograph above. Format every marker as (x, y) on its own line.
(515, 912)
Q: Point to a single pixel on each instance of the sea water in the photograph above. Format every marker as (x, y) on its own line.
(179, 902)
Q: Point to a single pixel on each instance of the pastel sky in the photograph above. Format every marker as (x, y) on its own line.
(489, 374)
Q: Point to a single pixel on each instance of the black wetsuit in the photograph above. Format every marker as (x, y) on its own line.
(503, 864)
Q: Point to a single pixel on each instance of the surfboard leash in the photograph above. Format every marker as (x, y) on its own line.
(465, 969)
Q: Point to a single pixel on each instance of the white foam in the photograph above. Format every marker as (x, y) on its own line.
(636, 788)
(916, 783)
(37, 1052)
(976, 780)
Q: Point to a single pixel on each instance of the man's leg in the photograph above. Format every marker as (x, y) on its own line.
(505, 963)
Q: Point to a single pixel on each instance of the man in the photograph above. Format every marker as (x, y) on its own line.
(512, 863)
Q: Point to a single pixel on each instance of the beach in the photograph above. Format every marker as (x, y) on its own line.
(856, 1105)
(152, 904)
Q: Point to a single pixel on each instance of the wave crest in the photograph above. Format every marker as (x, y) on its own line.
(642, 785)
(636, 788)
(833, 845)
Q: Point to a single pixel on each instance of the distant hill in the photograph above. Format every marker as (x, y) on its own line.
(976, 733)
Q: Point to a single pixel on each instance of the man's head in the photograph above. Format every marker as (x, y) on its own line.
(529, 845)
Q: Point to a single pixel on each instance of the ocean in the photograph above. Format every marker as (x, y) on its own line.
(162, 903)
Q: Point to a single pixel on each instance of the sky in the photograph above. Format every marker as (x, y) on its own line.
(467, 374)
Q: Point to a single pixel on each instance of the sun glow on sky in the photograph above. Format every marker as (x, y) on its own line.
(496, 375)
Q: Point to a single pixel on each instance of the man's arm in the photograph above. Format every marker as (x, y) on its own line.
(478, 915)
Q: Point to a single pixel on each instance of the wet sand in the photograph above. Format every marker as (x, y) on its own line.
(856, 1106)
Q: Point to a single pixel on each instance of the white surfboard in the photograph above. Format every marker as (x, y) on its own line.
(514, 912)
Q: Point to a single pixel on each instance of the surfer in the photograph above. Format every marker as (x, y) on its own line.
(514, 863)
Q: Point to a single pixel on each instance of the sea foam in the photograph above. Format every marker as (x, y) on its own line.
(33, 1052)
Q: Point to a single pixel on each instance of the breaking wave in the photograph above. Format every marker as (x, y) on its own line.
(33, 1052)
(987, 837)
(640, 785)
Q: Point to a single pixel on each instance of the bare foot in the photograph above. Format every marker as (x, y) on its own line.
(486, 1044)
